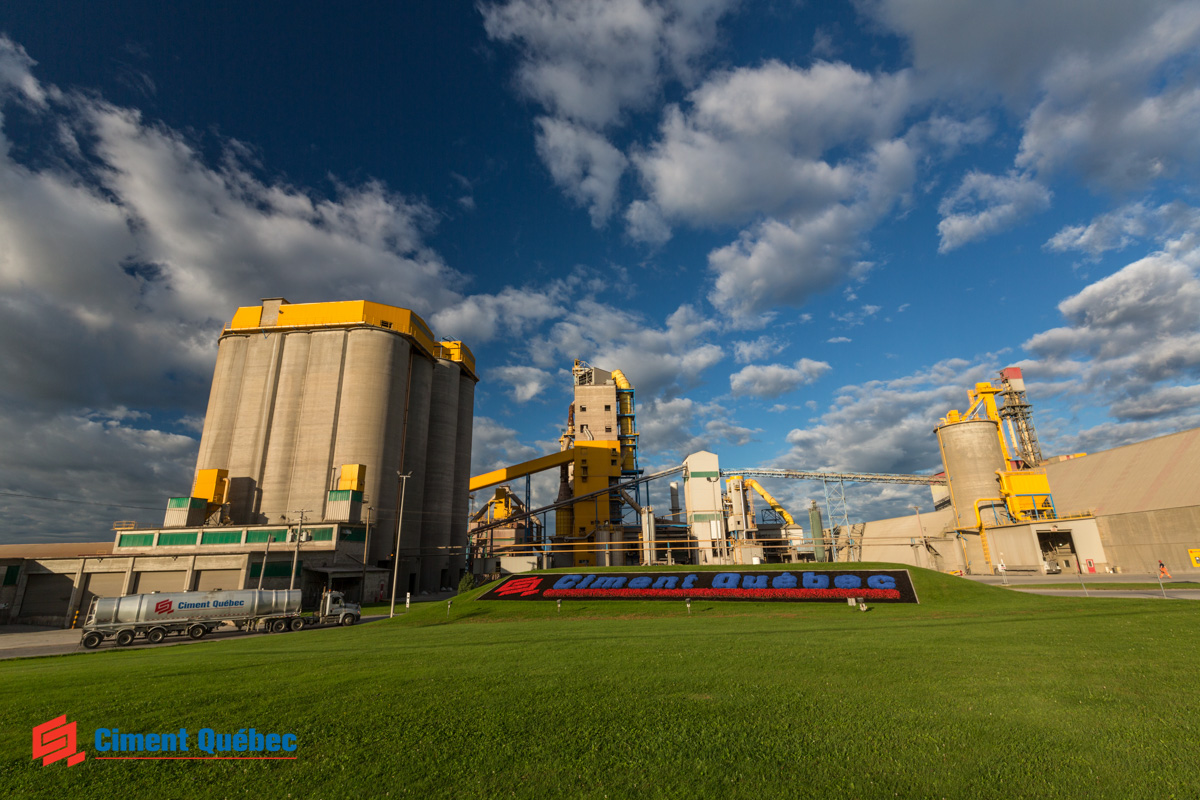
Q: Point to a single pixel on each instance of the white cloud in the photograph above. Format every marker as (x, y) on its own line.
(480, 318)
(837, 340)
(986, 204)
(654, 358)
(1117, 229)
(583, 163)
(757, 349)
(1126, 116)
(1006, 49)
(589, 61)
(772, 380)
(645, 223)
(526, 382)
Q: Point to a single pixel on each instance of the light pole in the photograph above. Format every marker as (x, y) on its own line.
(362, 590)
(920, 527)
(403, 478)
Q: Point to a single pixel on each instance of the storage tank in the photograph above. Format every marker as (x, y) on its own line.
(439, 475)
(460, 505)
(971, 455)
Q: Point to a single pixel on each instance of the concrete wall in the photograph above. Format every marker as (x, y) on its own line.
(1136, 542)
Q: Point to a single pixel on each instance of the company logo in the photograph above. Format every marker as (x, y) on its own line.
(162, 607)
(522, 587)
(54, 740)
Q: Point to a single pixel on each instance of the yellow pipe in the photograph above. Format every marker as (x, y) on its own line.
(771, 501)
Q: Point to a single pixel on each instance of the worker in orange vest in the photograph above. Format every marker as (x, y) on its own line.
(1162, 570)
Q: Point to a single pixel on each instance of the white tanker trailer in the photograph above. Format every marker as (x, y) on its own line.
(161, 614)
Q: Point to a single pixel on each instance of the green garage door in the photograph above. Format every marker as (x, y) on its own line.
(171, 581)
(208, 580)
(47, 595)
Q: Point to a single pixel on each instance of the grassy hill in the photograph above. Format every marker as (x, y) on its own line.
(976, 692)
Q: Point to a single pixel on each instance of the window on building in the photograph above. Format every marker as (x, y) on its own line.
(608, 408)
(385, 324)
(583, 408)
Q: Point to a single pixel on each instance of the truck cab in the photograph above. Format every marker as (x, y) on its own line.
(335, 609)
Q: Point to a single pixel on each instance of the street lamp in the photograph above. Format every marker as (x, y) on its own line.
(403, 478)
(920, 527)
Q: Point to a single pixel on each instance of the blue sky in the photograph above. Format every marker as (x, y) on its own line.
(802, 229)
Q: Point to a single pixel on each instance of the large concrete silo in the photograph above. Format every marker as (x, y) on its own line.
(971, 455)
(460, 505)
(439, 475)
(416, 441)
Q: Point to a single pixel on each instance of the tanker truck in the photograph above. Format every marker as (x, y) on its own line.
(195, 614)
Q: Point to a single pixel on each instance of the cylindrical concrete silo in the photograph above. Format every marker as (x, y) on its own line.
(439, 475)
(460, 503)
(416, 439)
(285, 423)
(372, 410)
(223, 403)
(971, 455)
(312, 468)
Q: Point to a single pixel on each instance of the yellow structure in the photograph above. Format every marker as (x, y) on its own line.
(342, 313)
(212, 485)
(771, 501)
(353, 477)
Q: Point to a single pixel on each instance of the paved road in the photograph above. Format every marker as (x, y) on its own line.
(27, 641)
(1070, 585)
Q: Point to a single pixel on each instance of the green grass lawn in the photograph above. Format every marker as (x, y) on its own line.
(977, 692)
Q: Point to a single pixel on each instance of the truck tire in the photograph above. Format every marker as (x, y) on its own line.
(125, 638)
(296, 623)
(348, 620)
(197, 631)
(279, 626)
(156, 635)
(92, 640)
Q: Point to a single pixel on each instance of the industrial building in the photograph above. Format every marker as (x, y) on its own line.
(330, 423)
(998, 504)
(321, 418)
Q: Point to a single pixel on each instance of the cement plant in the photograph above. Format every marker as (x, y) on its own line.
(336, 450)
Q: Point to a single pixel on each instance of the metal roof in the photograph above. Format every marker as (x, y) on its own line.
(1158, 473)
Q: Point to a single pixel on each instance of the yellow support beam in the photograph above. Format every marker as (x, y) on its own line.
(521, 470)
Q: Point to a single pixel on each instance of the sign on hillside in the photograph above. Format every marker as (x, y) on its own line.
(880, 586)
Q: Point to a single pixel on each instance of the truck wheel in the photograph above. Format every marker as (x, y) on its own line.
(348, 620)
(279, 626)
(197, 631)
(156, 635)
(296, 623)
(92, 640)
(125, 638)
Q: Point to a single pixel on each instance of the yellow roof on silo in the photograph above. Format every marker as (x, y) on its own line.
(342, 312)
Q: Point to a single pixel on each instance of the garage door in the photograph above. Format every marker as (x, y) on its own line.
(47, 595)
(100, 584)
(208, 580)
(171, 581)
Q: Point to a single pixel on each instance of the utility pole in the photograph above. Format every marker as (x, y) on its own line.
(362, 593)
(296, 554)
(403, 478)
(266, 553)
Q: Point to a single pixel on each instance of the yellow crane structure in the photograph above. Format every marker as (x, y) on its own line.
(771, 501)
